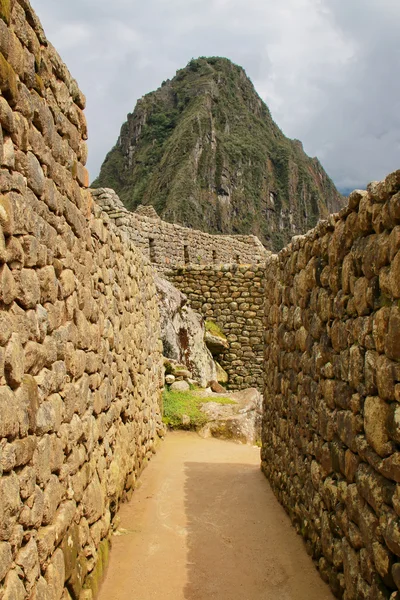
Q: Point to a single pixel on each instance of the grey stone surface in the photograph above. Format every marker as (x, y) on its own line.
(182, 333)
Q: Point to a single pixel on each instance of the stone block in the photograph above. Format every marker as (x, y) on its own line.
(376, 415)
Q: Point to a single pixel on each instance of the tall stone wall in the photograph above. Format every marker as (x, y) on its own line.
(233, 297)
(169, 245)
(331, 428)
(80, 360)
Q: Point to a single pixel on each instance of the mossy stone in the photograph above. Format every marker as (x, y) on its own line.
(39, 85)
(93, 580)
(5, 11)
(8, 81)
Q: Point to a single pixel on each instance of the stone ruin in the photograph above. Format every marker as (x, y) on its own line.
(81, 368)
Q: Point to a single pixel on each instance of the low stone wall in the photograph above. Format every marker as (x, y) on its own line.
(233, 297)
(80, 359)
(331, 428)
(169, 245)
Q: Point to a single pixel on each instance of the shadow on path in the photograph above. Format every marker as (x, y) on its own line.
(204, 524)
(241, 545)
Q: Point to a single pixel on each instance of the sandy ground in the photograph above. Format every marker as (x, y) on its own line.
(205, 524)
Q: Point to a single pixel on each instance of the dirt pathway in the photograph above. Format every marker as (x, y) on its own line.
(205, 525)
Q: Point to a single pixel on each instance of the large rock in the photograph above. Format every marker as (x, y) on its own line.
(180, 386)
(240, 421)
(182, 333)
(222, 375)
(216, 343)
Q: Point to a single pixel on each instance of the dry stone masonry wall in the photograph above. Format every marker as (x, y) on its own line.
(80, 360)
(80, 355)
(169, 245)
(233, 297)
(331, 430)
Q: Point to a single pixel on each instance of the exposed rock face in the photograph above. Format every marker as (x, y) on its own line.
(182, 332)
(240, 421)
(204, 150)
(222, 375)
(215, 343)
(331, 424)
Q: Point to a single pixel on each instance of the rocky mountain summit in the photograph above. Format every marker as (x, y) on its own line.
(204, 150)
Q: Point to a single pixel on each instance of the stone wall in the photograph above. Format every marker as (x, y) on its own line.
(80, 360)
(233, 297)
(168, 245)
(331, 429)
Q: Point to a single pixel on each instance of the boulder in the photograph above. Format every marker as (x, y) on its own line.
(182, 374)
(217, 387)
(215, 343)
(222, 375)
(240, 421)
(180, 386)
(182, 333)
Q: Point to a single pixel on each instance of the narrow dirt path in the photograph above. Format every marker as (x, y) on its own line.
(205, 525)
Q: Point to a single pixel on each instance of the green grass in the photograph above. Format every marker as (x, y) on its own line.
(214, 329)
(188, 403)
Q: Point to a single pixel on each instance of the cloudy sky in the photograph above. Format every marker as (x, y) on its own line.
(328, 69)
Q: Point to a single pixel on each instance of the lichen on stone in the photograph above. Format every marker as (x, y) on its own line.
(5, 10)
(8, 80)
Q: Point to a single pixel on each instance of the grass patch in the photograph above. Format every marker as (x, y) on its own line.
(188, 403)
(214, 329)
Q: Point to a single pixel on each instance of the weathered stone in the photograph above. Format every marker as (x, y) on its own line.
(48, 284)
(182, 333)
(8, 287)
(49, 537)
(222, 375)
(374, 488)
(13, 587)
(67, 283)
(8, 410)
(5, 559)
(28, 288)
(376, 414)
(217, 387)
(392, 536)
(24, 450)
(216, 344)
(10, 504)
(8, 154)
(28, 399)
(29, 166)
(392, 339)
(180, 386)
(40, 590)
(385, 378)
(55, 575)
(52, 497)
(6, 209)
(93, 501)
(240, 420)
(28, 559)
(351, 569)
(49, 415)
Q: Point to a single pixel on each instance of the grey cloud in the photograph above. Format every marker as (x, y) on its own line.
(327, 70)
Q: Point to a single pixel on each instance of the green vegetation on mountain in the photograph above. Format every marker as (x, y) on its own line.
(204, 151)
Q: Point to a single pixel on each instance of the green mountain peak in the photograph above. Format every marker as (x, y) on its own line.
(204, 150)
